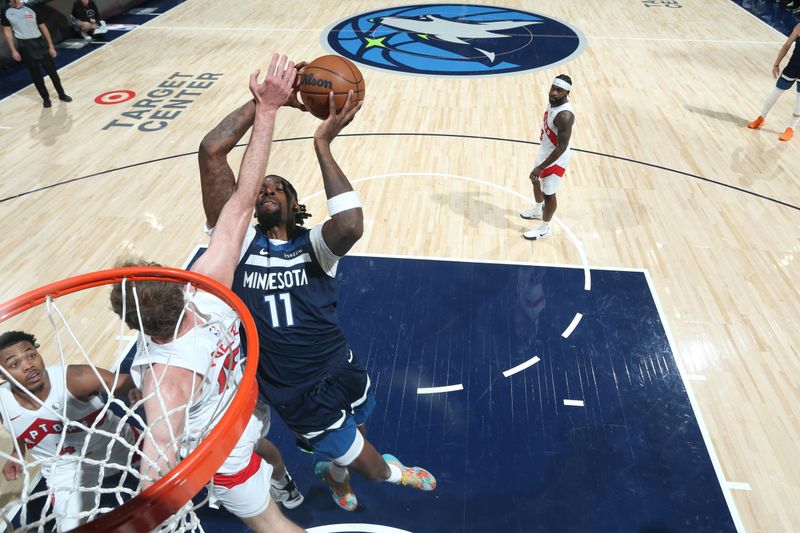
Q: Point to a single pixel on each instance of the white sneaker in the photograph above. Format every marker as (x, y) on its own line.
(100, 30)
(289, 495)
(533, 212)
(537, 234)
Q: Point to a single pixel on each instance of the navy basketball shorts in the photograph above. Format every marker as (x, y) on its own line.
(327, 416)
(788, 77)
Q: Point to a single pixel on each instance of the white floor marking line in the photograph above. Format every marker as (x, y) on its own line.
(712, 453)
(229, 30)
(436, 390)
(763, 22)
(696, 377)
(530, 362)
(5, 127)
(672, 40)
(738, 485)
(587, 274)
(574, 403)
(356, 528)
(493, 261)
(572, 325)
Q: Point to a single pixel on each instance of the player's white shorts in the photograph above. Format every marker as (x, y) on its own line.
(69, 498)
(242, 482)
(550, 184)
(550, 178)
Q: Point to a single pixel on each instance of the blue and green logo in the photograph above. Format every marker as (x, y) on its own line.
(454, 40)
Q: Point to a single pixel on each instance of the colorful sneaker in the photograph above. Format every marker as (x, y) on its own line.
(537, 234)
(414, 477)
(533, 212)
(757, 123)
(289, 495)
(342, 493)
(787, 135)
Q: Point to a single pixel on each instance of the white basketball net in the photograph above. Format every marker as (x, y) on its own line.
(103, 470)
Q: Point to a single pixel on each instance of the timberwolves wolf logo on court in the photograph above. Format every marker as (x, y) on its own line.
(454, 40)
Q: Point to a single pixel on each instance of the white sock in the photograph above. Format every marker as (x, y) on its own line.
(395, 474)
(544, 225)
(539, 206)
(337, 472)
(796, 117)
(771, 101)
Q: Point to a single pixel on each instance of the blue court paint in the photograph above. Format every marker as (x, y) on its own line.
(769, 11)
(508, 455)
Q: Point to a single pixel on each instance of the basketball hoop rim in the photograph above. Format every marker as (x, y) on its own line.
(165, 497)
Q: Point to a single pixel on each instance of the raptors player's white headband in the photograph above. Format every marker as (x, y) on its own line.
(558, 82)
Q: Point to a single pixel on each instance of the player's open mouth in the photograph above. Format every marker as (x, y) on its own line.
(34, 377)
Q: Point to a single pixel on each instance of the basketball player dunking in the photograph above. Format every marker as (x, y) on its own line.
(287, 278)
(553, 158)
(180, 351)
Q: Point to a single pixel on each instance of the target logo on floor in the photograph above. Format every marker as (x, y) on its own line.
(114, 97)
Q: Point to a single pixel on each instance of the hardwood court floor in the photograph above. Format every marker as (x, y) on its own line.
(662, 99)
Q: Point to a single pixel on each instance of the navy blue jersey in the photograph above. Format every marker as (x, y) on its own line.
(293, 301)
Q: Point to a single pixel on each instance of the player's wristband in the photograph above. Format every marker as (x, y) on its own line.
(343, 202)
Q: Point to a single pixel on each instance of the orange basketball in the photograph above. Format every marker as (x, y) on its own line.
(326, 74)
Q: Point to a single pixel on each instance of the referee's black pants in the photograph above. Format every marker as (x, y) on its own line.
(38, 80)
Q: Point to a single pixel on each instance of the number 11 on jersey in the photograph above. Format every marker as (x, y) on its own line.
(273, 309)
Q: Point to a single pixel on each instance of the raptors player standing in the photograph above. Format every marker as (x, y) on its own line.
(553, 158)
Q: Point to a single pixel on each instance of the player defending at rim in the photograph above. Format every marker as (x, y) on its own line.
(182, 353)
(287, 278)
(789, 76)
(553, 158)
(35, 401)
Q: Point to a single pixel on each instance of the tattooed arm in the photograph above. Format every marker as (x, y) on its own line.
(216, 176)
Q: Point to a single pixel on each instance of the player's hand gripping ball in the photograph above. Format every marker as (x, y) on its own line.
(326, 74)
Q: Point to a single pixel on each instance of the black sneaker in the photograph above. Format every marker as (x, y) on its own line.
(303, 445)
(47, 103)
(64, 98)
(289, 496)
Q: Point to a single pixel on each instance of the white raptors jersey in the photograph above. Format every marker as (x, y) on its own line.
(549, 136)
(210, 349)
(40, 430)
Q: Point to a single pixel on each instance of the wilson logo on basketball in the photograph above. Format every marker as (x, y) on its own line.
(310, 80)
(330, 74)
(454, 40)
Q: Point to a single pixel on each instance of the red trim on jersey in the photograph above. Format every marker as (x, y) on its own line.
(231, 480)
(550, 134)
(553, 169)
